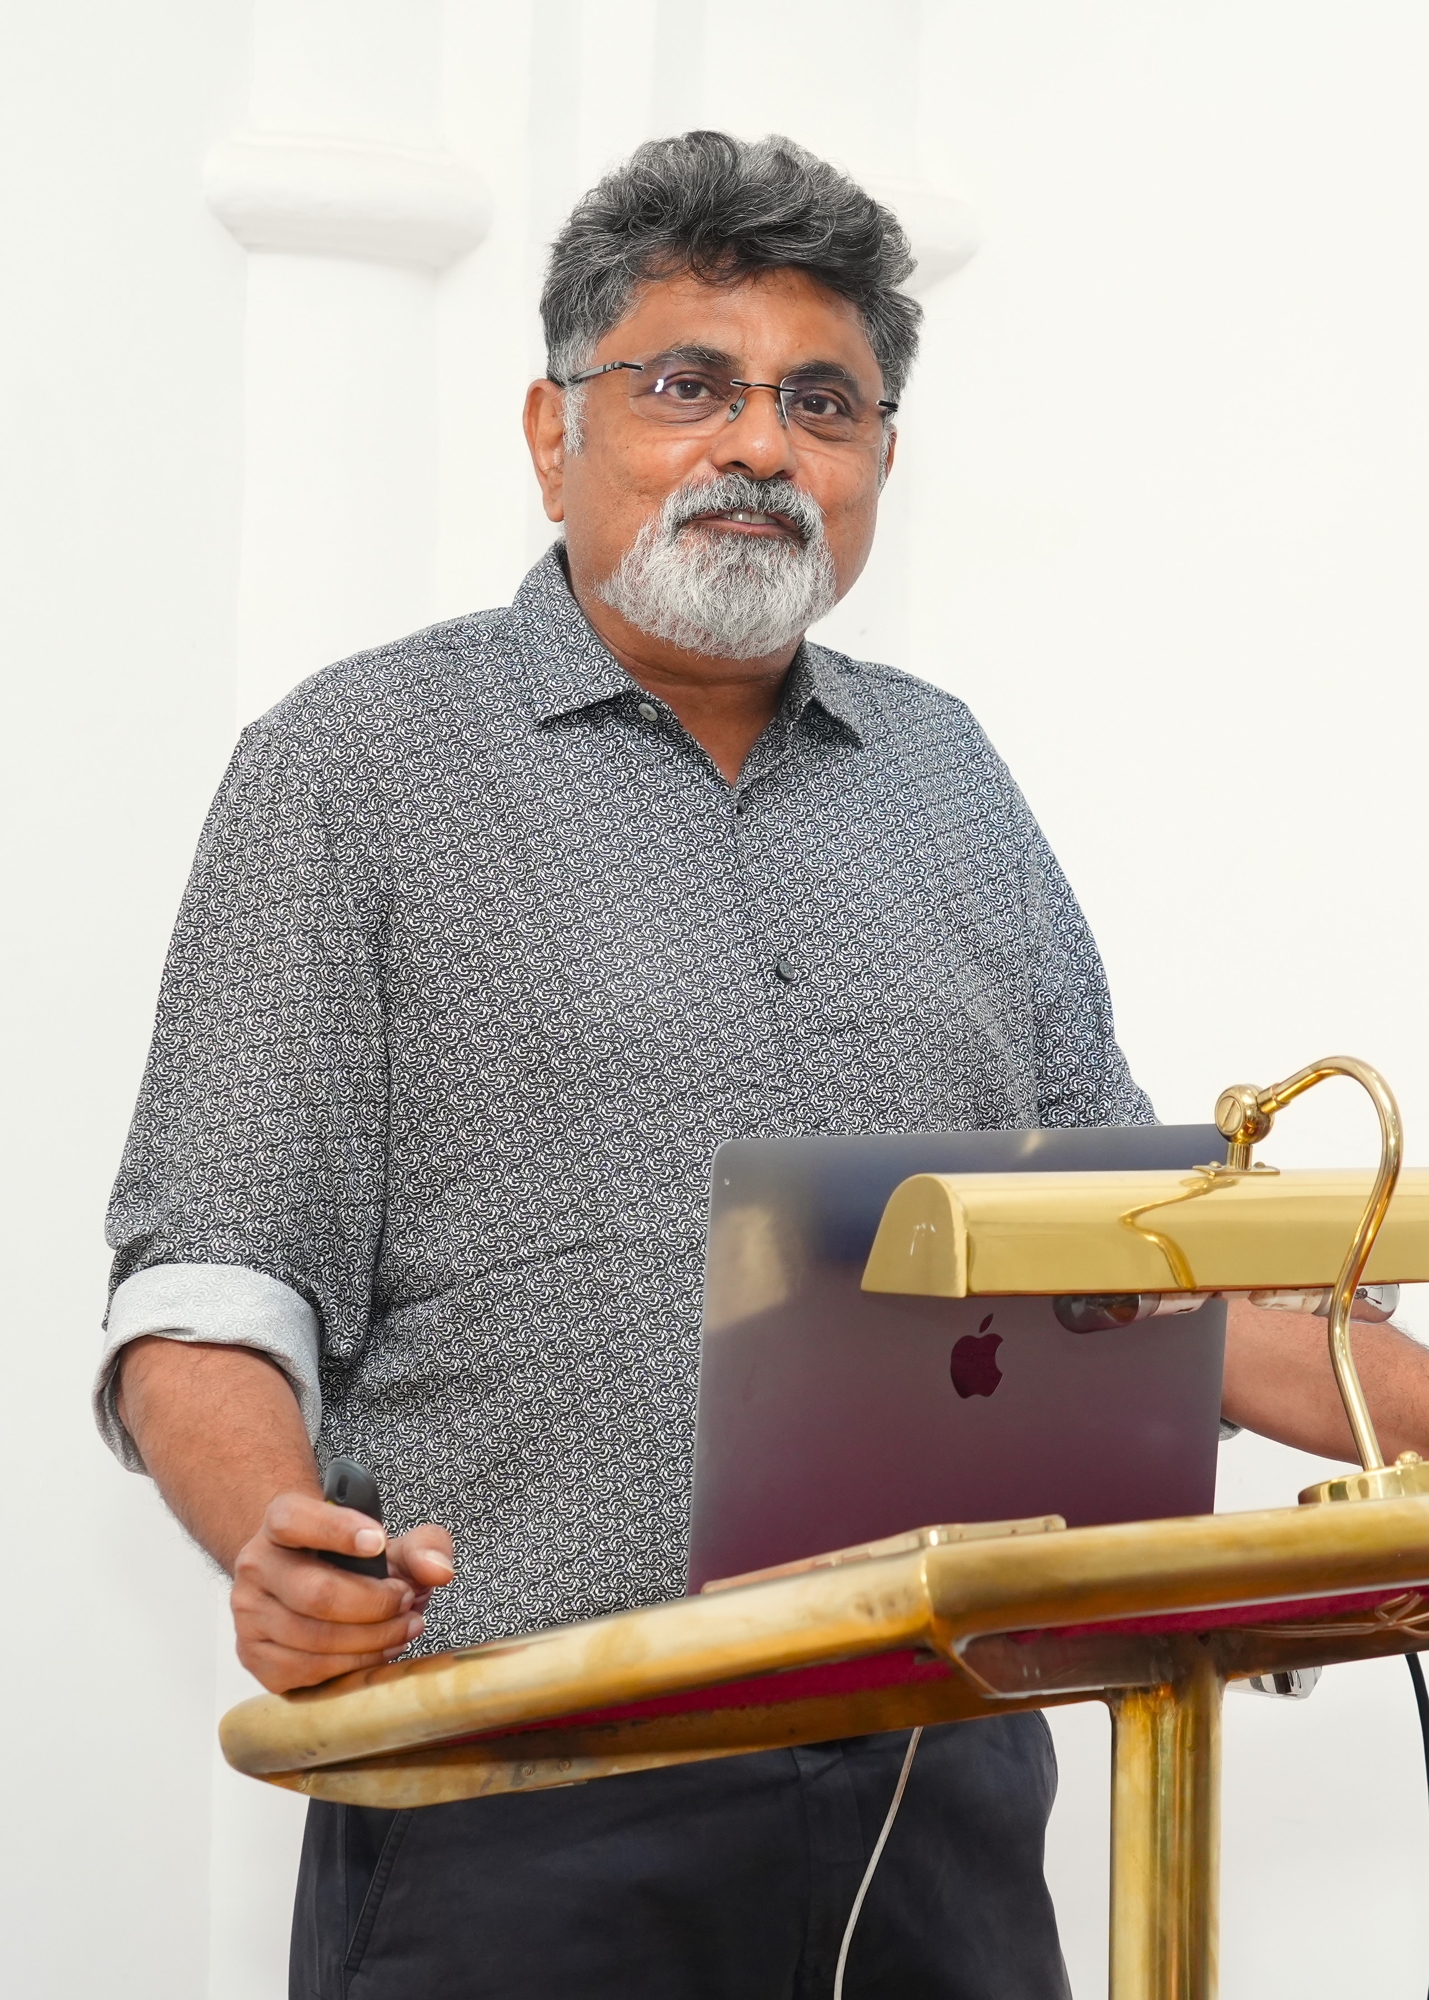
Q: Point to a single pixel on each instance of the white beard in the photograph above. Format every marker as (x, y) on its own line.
(732, 596)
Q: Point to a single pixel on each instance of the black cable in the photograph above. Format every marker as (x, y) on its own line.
(1421, 1702)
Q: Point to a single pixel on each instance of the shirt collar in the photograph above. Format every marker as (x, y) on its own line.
(568, 669)
(566, 666)
(826, 679)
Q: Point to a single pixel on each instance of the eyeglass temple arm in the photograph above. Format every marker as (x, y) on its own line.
(589, 374)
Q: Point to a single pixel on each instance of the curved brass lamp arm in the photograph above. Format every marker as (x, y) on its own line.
(1245, 1115)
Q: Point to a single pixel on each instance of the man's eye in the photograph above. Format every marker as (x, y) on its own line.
(820, 404)
(685, 388)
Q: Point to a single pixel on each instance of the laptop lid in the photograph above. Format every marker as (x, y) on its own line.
(829, 1416)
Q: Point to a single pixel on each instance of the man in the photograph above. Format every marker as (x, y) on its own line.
(492, 937)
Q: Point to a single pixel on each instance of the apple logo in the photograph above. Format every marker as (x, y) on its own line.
(974, 1366)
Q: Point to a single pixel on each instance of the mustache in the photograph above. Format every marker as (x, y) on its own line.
(732, 492)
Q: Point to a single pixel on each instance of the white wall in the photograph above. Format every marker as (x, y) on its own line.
(120, 442)
(1159, 498)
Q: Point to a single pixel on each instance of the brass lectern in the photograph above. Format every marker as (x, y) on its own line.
(951, 1623)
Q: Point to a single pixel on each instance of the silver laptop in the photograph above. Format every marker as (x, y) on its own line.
(830, 1417)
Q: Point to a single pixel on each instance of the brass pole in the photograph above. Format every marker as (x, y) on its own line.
(1245, 1115)
(1166, 1839)
(1391, 1151)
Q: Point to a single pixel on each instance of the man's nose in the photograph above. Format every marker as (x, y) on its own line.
(757, 441)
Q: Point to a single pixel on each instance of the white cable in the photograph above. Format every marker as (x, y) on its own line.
(873, 1859)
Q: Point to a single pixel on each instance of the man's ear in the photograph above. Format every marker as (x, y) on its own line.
(544, 420)
(890, 450)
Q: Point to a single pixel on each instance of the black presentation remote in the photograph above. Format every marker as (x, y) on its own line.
(347, 1484)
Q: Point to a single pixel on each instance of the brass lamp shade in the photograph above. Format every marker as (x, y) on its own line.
(956, 1236)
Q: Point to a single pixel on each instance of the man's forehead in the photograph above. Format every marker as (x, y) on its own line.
(785, 317)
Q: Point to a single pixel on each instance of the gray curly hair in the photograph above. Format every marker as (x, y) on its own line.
(723, 208)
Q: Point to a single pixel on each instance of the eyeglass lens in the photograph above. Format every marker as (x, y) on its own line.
(672, 389)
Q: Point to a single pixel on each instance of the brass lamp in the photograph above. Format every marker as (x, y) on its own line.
(1232, 1226)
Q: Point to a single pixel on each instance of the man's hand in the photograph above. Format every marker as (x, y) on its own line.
(219, 1429)
(300, 1621)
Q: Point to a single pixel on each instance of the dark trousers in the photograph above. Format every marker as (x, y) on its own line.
(727, 1880)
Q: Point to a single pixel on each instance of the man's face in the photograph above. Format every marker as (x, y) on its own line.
(763, 329)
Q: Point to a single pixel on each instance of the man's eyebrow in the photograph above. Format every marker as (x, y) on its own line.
(696, 353)
(827, 371)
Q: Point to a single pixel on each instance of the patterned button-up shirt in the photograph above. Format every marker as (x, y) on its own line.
(480, 960)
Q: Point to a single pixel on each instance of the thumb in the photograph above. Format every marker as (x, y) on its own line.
(425, 1555)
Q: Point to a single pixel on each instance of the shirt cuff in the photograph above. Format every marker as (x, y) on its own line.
(224, 1305)
(1230, 1430)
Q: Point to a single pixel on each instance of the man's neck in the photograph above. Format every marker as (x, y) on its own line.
(724, 704)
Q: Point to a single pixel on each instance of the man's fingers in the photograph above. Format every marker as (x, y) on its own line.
(306, 1584)
(301, 1621)
(302, 1521)
(279, 1669)
(265, 1619)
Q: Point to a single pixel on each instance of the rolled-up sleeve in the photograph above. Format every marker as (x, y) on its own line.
(249, 1202)
(222, 1305)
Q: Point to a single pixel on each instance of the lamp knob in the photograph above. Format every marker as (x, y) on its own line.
(1239, 1117)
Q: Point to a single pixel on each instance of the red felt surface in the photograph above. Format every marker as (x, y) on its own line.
(874, 1670)
(1304, 1610)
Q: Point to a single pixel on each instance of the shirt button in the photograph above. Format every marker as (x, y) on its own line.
(785, 971)
(650, 714)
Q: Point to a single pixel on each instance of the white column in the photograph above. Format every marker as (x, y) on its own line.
(506, 72)
(350, 207)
